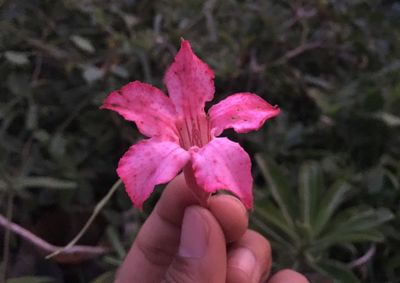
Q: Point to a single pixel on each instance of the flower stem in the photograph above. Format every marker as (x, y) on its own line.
(198, 191)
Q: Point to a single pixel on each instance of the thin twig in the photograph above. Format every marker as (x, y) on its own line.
(7, 236)
(73, 254)
(96, 211)
(296, 52)
(50, 50)
(299, 14)
(37, 70)
(208, 13)
(364, 259)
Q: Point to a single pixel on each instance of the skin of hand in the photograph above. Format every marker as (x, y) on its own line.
(184, 242)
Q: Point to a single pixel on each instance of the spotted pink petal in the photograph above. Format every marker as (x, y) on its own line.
(223, 164)
(243, 112)
(147, 164)
(151, 110)
(190, 82)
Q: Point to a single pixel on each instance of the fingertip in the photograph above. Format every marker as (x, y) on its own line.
(241, 266)
(249, 258)
(231, 215)
(289, 276)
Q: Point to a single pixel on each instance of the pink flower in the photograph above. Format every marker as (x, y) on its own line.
(181, 135)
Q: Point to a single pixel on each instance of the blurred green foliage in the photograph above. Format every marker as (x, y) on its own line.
(306, 226)
(331, 65)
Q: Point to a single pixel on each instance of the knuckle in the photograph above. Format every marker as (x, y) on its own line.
(156, 254)
(180, 272)
(236, 275)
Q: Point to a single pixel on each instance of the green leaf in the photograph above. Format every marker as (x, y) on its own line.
(120, 71)
(107, 277)
(17, 58)
(374, 178)
(393, 179)
(45, 182)
(310, 185)
(272, 216)
(82, 43)
(330, 202)
(389, 119)
(354, 225)
(92, 73)
(366, 219)
(116, 242)
(272, 235)
(343, 236)
(321, 99)
(58, 145)
(336, 271)
(280, 189)
(31, 279)
(112, 261)
(19, 84)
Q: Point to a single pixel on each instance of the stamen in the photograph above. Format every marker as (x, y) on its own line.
(196, 137)
(194, 131)
(188, 132)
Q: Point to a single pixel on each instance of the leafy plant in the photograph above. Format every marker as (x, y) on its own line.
(331, 66)
(307, 220)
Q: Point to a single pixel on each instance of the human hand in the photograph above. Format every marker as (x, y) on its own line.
(183, 242)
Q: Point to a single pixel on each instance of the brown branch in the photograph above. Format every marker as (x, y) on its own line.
(72, 255)
(299, 15)
(296, 52)
(7, 236)
(50, 50)
(363, 259)
(210, 23)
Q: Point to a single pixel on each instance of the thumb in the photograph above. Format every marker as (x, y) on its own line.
(202, 249)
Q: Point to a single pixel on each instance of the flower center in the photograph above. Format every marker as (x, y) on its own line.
(194, 131)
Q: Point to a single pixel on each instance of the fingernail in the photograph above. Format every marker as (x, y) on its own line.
(194, 235)
(235, 199)
(243, 259)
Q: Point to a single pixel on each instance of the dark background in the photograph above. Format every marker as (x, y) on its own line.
(326, 170)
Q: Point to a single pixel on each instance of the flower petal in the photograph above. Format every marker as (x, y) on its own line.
(243, 112)
(190, 82)
(223, 164)
(151, 110)
(149, 163)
